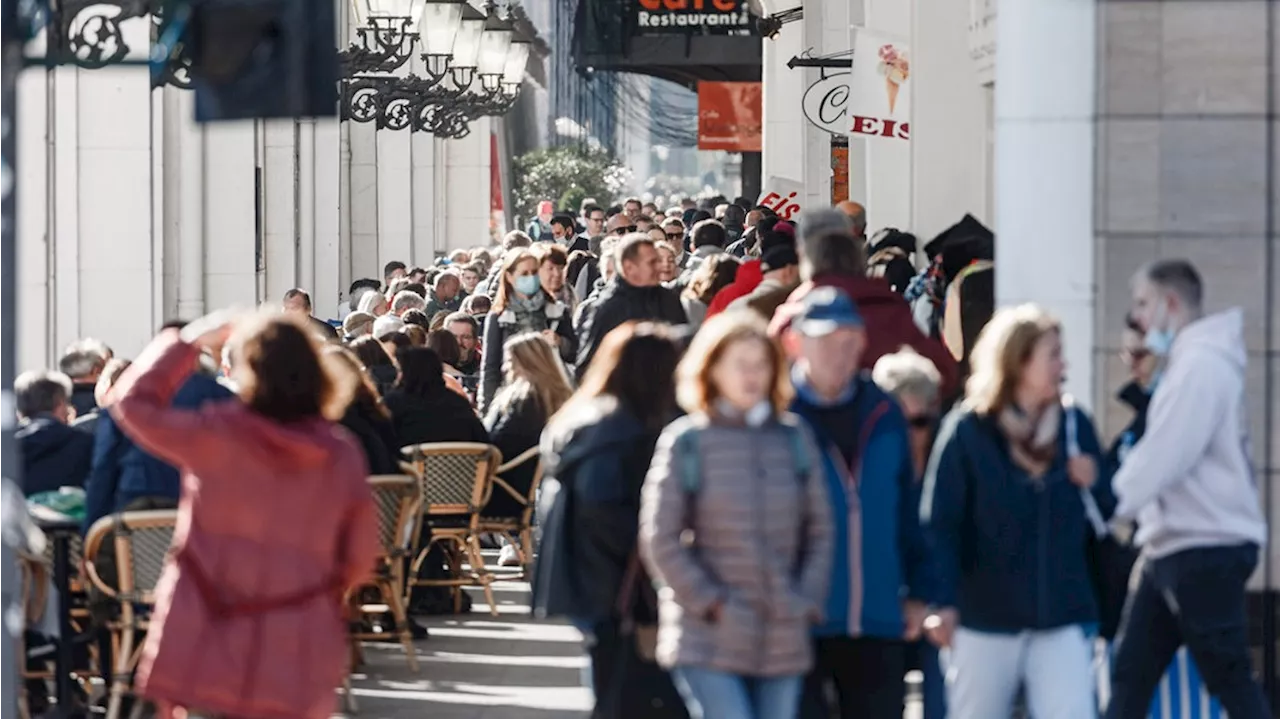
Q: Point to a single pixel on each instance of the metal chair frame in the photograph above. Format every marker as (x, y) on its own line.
(125, 647)
(518, 528)
(395, 527)
(457, 541)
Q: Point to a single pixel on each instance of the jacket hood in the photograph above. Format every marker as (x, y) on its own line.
(1221, 333)
(600, 426)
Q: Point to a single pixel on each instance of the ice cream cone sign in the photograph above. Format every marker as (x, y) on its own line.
(895, 66)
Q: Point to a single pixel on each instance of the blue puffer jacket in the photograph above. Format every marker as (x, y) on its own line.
(1010, 552)
(123, 472)
(893, 563)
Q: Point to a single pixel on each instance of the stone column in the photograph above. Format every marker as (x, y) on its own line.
(1045, 75)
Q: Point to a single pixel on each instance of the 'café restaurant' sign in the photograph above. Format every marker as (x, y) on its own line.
(690, 15)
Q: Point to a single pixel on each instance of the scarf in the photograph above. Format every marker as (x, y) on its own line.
(529, 311)
(1031, 445)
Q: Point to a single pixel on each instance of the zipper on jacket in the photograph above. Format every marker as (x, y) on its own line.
(1043, 558)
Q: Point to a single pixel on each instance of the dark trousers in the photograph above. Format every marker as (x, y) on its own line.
(1196, 598)
(866, 674)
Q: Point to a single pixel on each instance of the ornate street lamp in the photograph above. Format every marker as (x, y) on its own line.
(459, 44)
(89, 35)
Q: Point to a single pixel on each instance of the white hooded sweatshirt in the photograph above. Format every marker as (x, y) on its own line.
(1189, 479)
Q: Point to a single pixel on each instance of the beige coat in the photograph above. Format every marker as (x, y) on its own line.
(761, 546)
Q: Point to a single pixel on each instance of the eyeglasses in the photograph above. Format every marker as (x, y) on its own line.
(675, 235)
(624, 230)
(923, 421)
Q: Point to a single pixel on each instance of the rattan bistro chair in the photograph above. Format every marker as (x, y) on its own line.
(141, 540)
(396, 498)
(456, 479)
(519, 528)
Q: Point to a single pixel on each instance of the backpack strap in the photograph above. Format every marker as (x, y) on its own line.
(689, 459)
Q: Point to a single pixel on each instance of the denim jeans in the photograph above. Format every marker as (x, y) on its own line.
(1055, 666)
(1196, 598)
(711, 694)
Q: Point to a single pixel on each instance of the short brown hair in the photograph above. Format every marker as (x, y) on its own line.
(694, 388)
(281, 372)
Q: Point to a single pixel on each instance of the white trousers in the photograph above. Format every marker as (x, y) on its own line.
(984, 671)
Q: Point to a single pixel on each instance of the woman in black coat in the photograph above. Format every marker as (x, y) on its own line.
(521, 304)
(424, 409)
(367, 417)
(595, 456)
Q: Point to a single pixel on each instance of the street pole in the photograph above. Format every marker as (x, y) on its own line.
(10, 66)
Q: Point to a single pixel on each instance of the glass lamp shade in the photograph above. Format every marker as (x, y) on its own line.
(367, 9)
(517, 59)
(466, 44)
(494, 43)
(441, 20)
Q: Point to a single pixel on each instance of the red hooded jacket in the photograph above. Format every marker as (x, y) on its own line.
(888, 319)
(749, 276)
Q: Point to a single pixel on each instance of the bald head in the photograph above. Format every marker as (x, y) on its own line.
(857, 213)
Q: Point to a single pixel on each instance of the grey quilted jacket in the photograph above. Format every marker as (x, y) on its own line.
(761, 545)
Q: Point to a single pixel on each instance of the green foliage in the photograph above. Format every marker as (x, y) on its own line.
(566, 175)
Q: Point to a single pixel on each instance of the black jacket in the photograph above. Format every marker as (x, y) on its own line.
(377, 438)
(1138, 399)
(444, 416)
(593, 472)
(496, 333)
(53, 455)
(619, 303)
(82, 398)
(513, 433)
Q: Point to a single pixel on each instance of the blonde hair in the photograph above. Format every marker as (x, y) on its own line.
(110, 374)
(1001, 353)
(534, 372)
(694, 389)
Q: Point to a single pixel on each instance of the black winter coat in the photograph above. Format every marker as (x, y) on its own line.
(444, 416)
(377, 438)
(619, 303)
(53, 455)
(514, 432)
(496, 332)
(593, 472)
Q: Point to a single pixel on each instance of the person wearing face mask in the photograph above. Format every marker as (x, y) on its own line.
(1189, 484)
(880, 579)
(522, 305)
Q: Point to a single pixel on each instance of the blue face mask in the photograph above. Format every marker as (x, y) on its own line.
(1159, 341)
(527, 285)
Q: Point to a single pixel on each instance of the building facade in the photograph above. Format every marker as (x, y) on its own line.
(131, 214)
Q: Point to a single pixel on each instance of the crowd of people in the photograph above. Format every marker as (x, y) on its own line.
(782, 470)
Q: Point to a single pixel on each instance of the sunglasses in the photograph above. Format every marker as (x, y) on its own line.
(1135, 355)
(924, 421)
(624, 230)
(675, 235)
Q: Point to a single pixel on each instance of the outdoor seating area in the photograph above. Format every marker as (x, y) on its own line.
(112, 575)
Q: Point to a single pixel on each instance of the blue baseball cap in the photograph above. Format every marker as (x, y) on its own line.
(825, 310)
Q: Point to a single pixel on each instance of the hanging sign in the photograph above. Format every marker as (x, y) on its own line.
(982, 39)
(879, 87)
(826, 103)
(783, 197)
(730, 116)
(689, 16)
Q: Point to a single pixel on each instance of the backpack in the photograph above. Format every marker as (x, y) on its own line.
(686, 450)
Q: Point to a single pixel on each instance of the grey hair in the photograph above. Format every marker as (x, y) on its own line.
(40, 391)
(1177, 276)
(83, 358)
(833, 252)
(907, 373)
(369, 302)
(408, 300)
(824, 222)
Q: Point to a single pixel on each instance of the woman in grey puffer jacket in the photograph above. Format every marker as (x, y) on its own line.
(737, 603)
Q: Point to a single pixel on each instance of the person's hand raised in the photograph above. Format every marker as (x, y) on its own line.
(210, 331)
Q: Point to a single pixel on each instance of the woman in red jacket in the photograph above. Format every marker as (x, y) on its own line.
(275, 522)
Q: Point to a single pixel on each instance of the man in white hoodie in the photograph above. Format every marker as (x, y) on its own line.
(1189, 484)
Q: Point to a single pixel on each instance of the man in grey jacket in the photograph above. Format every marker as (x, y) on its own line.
(1189, 484)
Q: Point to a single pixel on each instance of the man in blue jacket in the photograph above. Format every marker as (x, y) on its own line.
(881, 567)
(123, 473)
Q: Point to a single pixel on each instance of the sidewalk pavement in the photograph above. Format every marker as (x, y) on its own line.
(477, 666)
